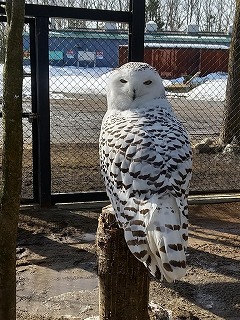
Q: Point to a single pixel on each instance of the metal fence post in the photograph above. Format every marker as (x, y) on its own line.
(43, 111)
(32, 34)
(136, 31)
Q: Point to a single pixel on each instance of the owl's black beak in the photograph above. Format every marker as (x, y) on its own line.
(134, 94)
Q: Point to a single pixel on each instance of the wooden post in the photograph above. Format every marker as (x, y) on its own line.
(123, 280)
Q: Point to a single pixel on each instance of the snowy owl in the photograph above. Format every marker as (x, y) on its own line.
(145, 159)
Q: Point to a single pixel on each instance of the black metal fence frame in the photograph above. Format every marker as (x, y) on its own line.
(38, 18)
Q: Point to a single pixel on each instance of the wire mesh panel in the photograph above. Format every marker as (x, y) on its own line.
(27, 172)
(80, 64)
(194, 69)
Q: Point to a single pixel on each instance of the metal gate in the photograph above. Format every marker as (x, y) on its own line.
(39, 119)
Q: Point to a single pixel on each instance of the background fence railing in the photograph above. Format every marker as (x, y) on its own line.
(77, 60)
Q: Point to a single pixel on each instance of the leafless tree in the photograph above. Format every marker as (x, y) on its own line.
(11, 157)
(231, 125)
(172, 15)
(2, 41)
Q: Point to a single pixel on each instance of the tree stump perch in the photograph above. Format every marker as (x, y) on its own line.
(123, 280)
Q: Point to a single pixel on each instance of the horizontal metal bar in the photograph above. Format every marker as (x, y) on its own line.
(3, 17)
(214, 198)
(214, 192)
(89, 205)
(24, 114)
(99, 199)
(99, 204)
(28, 202)
(78, 197)
(33, 10)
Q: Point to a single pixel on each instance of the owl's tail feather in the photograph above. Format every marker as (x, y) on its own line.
(157, 236)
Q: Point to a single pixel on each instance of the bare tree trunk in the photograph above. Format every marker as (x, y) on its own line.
(2, 42)
(12, 157)
(123, 280)
(231, 125)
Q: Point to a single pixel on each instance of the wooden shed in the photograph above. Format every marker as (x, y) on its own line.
(177, 60)
(212, 60)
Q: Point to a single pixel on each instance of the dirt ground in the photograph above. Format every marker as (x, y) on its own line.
(57, 266)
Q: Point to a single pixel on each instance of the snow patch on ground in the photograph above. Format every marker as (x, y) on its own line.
(75, 80)
(211, 90)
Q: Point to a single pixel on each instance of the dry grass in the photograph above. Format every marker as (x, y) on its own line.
(75, 167)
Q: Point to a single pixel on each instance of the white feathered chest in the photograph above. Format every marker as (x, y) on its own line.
(146, 152)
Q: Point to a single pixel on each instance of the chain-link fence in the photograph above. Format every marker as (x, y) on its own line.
(27, 185)
(80, 62)
(27, 179)
(195, 85)
(193, 65)
(194, 68)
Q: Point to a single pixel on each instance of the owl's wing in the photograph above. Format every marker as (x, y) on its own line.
(146, 165)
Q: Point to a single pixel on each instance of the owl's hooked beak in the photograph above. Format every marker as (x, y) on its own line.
(134, 94)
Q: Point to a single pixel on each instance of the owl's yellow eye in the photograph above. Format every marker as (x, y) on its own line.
(147, 82)
(123, 80)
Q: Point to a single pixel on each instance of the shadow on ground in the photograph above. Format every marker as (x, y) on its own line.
(57, 266)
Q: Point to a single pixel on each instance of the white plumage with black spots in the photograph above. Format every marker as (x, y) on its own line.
(145, 159)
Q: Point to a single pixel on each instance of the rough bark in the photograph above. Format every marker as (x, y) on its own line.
(231, 125)
(123, 280)
(12, 157)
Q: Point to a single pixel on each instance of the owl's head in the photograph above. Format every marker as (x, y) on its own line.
(132, 85)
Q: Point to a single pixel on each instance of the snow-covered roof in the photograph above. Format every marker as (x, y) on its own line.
(185, 45)
(155, 37)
